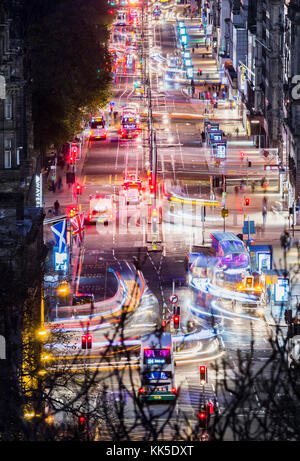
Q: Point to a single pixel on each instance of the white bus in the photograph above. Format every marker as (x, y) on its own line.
(157, 368)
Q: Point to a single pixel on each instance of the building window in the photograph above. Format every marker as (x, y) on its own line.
(7, 159)
(7, 153)
(8, 107)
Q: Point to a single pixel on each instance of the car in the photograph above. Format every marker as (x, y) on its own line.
(97, 128)
(129, 123)
(132, 188)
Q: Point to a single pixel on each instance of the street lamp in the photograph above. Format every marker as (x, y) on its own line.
(63, 289)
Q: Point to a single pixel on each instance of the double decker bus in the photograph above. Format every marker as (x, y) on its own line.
(157, 368)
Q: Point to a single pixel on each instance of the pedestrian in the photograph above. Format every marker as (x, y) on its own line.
(242, 186)
(59, 183)
(197, 45)
(253, 186)
(56, 207)
(264, 214)
(237, 131)
(265, 202)
(236, 190)
(206, 47)
(193, 49)
(224, 95)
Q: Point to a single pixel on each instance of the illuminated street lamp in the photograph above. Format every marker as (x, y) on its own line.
(63, 289)
(42, 333)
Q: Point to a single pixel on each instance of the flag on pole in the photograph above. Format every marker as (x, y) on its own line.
(60, 233)
(77, 227)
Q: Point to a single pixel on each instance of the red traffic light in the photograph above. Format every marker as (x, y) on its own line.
(247, 201)
(83, 342)
(78, 188)
(203, 375)
(81, 420)
(176, 321)
(202, 415)
(89, 341)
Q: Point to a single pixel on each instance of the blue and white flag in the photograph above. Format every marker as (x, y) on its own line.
(60, 233)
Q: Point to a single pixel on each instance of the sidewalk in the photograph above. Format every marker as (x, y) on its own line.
(64, 194)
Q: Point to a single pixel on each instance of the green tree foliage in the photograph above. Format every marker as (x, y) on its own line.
(69, 64)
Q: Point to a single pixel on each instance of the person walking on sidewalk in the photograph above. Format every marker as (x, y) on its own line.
(56, 207)
(59, 183)
(264, 210)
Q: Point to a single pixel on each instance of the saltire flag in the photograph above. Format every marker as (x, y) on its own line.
(78, 227)
(60, 233)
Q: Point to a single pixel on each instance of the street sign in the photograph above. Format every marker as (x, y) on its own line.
(173, 299)
(249, 227)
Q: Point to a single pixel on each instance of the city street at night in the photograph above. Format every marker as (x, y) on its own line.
(150, 222)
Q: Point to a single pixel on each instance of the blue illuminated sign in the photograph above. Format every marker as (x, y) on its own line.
(221, 150)
(60, 260)
(184, 39)
(190, 72)
(282, 290)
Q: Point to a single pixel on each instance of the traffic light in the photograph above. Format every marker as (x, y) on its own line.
(78, 188)
(154, 213)
(89, 340)
(176, 319)
(86, 341)
(204, 416)
(83, 342)
(81, 423)
(247, 201)
(176, 310)
(288, 316)
(151, 183)
(203, 375)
